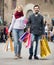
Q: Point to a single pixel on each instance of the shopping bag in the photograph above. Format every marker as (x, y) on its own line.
(44, 48)
(6, 45)
(26, 39)
(9, 45)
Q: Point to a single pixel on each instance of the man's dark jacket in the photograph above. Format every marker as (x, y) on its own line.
(36, 24)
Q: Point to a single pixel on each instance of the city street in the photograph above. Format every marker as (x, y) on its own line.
(19, 15)
(7, 58)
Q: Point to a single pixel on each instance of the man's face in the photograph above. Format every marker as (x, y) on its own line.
(36, 9)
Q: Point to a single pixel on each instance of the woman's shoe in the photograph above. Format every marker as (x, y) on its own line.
(15, 57)
(19, 56)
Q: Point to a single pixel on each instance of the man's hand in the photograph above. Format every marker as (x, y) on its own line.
(28, 30)
(43, 36)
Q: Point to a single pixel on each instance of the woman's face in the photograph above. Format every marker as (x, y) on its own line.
(19, 8)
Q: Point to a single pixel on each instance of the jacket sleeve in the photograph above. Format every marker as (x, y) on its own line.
(29, 23)
(12, 23)
(42, 24)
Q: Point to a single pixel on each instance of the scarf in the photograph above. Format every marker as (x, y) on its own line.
(18, 14)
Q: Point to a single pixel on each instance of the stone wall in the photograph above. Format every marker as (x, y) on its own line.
(46, 9)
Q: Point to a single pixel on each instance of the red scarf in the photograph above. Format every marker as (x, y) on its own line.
(18, 14)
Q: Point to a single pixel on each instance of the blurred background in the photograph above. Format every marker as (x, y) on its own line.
(7, 8)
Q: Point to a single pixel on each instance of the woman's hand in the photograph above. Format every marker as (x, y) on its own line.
(8, 34)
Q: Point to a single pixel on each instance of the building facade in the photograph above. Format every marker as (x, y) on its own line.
(46, 8)
(1, 11)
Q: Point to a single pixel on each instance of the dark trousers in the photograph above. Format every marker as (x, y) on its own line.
(52, 38)
(36, 37)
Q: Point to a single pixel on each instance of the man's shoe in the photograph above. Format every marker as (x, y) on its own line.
(35, 57)
(30, 57)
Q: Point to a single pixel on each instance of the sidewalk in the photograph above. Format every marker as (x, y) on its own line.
(7, 58)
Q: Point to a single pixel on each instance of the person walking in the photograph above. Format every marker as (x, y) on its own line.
(46, 30)
(35, 26)
(17, 27)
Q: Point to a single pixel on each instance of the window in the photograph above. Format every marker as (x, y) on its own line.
(0, 0)
(5, 4)
(51, 1)
(45, 1)
(13, 4)
(0, 11)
